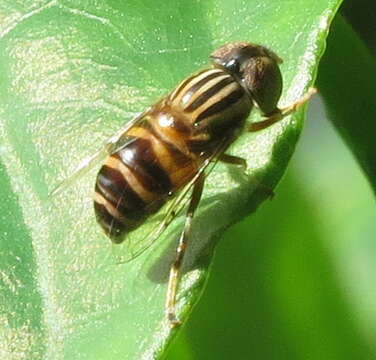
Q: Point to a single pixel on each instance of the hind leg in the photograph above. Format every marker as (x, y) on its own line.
(175, 271)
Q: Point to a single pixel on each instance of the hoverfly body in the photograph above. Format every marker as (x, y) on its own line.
(167, 149)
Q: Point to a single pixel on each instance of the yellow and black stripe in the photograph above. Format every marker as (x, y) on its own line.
(165, 149)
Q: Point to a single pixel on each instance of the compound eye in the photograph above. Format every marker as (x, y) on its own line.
(233, 66)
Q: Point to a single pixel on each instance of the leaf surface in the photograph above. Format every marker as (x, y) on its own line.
(72, 73)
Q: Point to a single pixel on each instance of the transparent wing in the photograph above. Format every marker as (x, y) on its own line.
(138, 241)
(111, 145)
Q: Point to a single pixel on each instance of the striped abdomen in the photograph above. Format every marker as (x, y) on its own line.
(164, 150)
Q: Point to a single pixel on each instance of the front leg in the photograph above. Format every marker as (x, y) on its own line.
(279, 114)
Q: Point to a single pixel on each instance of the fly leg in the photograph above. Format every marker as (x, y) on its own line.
(279, 114)
(175, 270)
(236, 160)
(233, 160)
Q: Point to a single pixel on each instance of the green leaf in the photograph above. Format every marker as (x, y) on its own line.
(346, 80)
(72, 73)
(295, 280)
